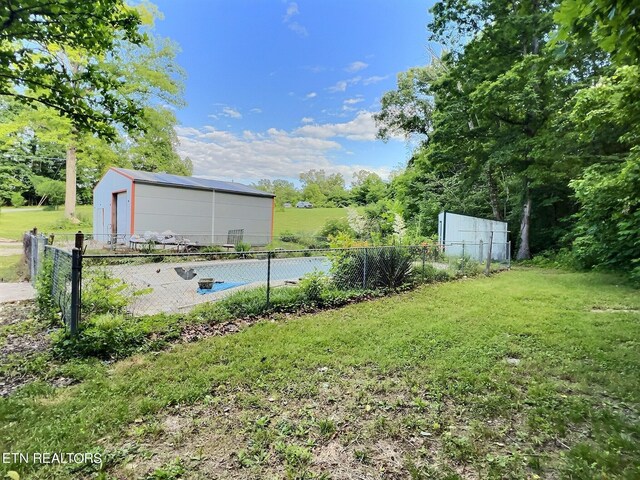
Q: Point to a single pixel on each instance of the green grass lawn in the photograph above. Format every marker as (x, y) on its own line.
(15, 221)
(11, 268)
(528, 374)
(305, 220)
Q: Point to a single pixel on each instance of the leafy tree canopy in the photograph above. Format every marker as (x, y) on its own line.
(43, 43)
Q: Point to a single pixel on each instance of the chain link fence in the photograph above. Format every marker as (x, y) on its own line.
(33, 245)
(172, 281)
(59, 263)
(151, 283)
(173, 242)
(51, 271)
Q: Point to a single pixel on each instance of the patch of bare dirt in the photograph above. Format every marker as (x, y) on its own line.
(18, 347)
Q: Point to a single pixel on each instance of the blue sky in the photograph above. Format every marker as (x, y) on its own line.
(276, 88)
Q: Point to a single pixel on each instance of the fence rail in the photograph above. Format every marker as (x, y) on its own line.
(140, 283)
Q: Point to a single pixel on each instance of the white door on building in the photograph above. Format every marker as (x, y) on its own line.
(121, 210)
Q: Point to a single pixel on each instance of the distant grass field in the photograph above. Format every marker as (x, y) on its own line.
(305, 220)
(529, 374)
(14, 222)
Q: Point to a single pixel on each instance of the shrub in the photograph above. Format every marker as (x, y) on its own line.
(394, 267)
(372, 268)
(17, 200)
(103, 294)
(54, 190)
(243, 247)
(313, 285)
(212, 249)
(290, 237)
(466, 266)
(333, 227)
(46, 308)
(114, 336)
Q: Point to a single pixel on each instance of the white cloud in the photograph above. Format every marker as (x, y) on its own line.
(311, 95)
(275, 153)
(299, 29)
(341, 86)
(231, 112)
(361, 128)
(292, 11)
(256, 110)
(347, 105)
(356, 66)
(374, 79)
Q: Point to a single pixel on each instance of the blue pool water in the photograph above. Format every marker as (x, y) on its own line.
(250, 271)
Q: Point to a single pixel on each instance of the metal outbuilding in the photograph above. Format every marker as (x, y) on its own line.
(462, 235)
(130, 202)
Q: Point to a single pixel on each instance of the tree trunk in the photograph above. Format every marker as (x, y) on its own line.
(70, 190)
(493, 195)
(524, 252)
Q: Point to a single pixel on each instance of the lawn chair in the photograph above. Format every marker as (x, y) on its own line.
(234, 238)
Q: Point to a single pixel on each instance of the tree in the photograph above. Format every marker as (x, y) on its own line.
(613, 25)
(498, 125)
(367, 188)
(34, 38)
(51, 191)
(606, 121)
(149, 75)
(408, 110)
(322, 189)
(284, 190)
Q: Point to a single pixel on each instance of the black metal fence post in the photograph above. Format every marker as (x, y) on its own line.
(424, 260)
(76, 283)
(268, 278)
(76, 271)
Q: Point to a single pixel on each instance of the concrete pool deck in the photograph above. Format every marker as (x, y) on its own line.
(157, 288)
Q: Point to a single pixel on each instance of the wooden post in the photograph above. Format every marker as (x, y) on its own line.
(79, 240)
(487, 268)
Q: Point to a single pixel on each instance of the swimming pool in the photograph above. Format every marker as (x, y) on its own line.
(250, 271)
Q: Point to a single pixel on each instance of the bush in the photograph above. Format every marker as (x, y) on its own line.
(45, 305)
(17, 200)
(333, 227)
(54, 190)
(103, 294)
(370, 269)
(113, 336)
(313, 285)
(212, 249)
(243, 247)
(290, 237)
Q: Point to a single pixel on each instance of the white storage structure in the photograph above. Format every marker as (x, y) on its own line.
(130, 203)
(469, 236)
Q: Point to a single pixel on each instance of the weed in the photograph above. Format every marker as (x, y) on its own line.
(171, 471)
(327, 427)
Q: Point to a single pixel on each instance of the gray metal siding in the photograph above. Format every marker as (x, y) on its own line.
(183, 211)
(252, 214)
(470, 231)
(102, 197)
